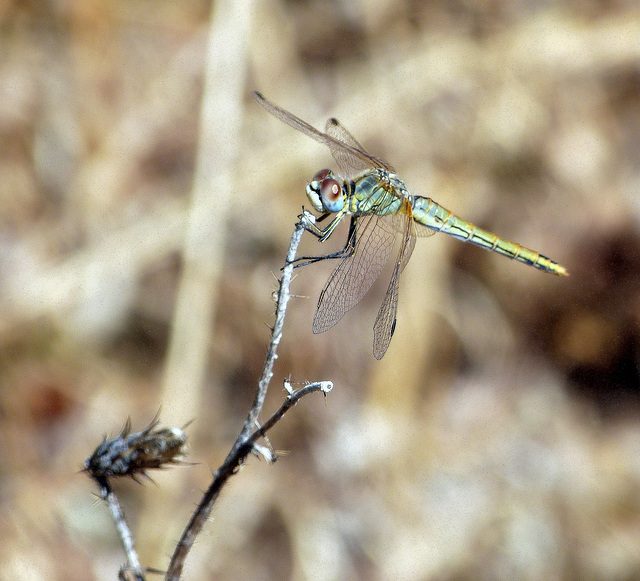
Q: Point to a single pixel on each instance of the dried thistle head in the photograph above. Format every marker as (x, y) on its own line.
(133, 454)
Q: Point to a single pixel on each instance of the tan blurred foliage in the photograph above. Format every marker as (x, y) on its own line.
(499, 437)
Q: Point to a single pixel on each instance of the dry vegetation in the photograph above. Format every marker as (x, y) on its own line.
(499, 439)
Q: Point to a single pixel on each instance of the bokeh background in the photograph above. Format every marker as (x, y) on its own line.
(146, 204)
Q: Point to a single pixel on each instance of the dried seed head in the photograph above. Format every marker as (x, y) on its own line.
(134, 454)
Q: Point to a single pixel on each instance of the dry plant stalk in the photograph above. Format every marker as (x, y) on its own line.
(132, 454)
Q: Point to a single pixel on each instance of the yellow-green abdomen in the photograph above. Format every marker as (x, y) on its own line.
(434, 216)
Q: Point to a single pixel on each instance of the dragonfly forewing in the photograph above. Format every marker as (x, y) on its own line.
(345, 149)
(348, 163)
(371, 244)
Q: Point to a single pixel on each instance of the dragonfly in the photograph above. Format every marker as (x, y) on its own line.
(382, 211)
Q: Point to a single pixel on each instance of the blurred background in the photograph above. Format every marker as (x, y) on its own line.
(146, 205)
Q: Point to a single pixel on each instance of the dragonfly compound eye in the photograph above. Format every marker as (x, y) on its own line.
(321, 175)
(331, 195)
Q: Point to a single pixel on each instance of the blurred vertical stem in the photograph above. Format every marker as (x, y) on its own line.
(220, 124)
(218, 147)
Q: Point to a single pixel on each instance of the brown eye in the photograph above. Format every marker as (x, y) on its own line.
(322, 174)
(331, 195)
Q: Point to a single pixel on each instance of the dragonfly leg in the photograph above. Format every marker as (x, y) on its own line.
(322, 235)
(305, 260)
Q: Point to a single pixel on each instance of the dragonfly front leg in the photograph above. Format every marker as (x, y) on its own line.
(311, 225)
(322, 234)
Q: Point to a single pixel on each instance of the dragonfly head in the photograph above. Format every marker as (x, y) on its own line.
(325, 192)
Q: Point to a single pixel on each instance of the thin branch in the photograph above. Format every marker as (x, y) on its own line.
(122, 527)
(276, 332)
(291, 400)
(245, 442)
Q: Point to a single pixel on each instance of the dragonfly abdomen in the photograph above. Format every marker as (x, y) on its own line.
(434, 216)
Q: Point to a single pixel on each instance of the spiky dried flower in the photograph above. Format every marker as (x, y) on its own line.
(133, 454)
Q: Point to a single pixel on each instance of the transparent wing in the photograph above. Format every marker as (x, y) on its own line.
(424, 231)
(338, 131)
(385, 323)
(348, 164)
(350, 152)
(350, 281)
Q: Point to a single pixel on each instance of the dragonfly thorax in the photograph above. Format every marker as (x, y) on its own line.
(325, 192)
